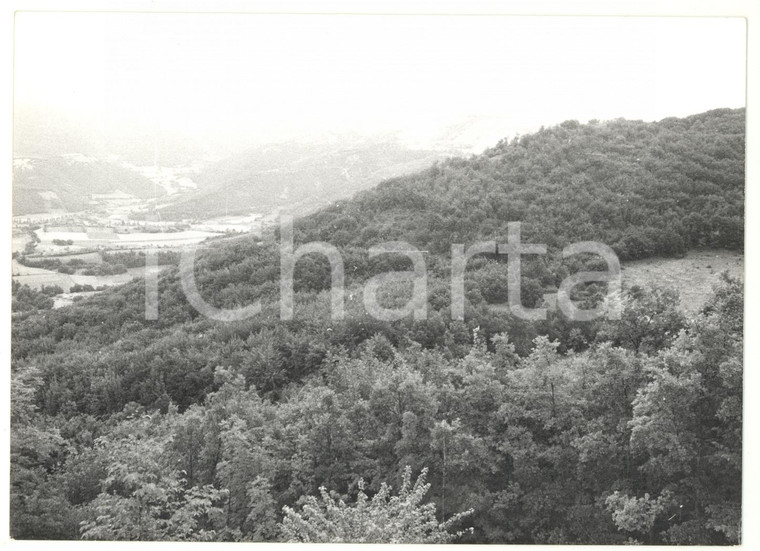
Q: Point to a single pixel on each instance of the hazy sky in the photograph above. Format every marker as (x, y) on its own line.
(259, 78)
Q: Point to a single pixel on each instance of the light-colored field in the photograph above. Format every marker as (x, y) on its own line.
(107, 239)
(239, 223)
(693, 276)
(65, 299)
(57, 216)
(18, 242)
(90, 258)
(190, 236)
(55, 250)
(18, 269)
(37, 277)
(63, 228)
(48, 236)
(104, 233)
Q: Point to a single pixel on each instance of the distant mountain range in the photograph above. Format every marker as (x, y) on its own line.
(296, 176)
(61, 160)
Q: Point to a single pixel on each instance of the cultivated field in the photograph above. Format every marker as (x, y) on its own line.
(37, 277)
(109, 240)
(18, 242)
(106, 240)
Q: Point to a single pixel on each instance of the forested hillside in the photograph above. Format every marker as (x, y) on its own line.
(66, 183)
(553, 431)
(643, 188)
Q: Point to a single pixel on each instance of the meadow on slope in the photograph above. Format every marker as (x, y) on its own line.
(692, 276)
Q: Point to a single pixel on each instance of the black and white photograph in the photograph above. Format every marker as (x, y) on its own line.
(393, 274)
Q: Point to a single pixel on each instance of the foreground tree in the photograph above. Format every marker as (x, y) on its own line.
(382, 519)
(687, 422)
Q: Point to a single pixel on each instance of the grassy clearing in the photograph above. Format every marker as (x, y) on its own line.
(67, 299)
(692, 276)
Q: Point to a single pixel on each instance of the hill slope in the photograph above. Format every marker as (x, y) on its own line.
(642, 188)
(66, 183)
(298, 177)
